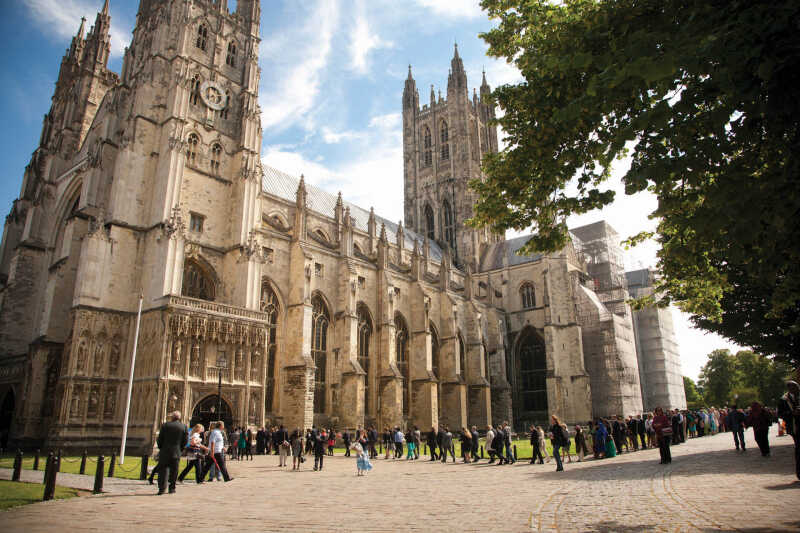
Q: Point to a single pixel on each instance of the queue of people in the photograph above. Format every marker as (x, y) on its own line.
(206, 450)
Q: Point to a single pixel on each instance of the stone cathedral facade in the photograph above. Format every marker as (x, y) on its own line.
(306, 308)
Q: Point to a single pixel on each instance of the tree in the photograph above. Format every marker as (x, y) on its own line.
(693, 398)
(718, 378)
(743, 378)
(705, 96)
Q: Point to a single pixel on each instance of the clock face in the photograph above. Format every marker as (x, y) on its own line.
(213, 96)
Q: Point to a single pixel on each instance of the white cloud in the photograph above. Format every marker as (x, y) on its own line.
(61, 18)
(293, 63)
(364, 40)
(372, 179)
(453, 8)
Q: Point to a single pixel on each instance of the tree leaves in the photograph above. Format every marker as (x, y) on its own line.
(706, 96)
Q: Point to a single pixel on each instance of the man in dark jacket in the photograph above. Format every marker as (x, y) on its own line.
(475, 446)
(641, 429)
(432, 443)
(447, 445)
(789, 411)
(320, 444)
(372, 439)
(172, 439)
(735, 421)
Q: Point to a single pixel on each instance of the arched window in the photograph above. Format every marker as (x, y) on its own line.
(216, 156)
(427, 158)
(532, 365)
(462, 358)
(364, 336)
(320, 319)
(445, 147)
(202, 37)
(194, 94)
(528, 296)
(486, 362)
(191, 148)
(401, 346)
(197, 282)
(449, 229)
(430, 227)
(230, 57)
(269, 305)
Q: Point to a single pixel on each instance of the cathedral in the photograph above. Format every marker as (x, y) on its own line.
(264, 299)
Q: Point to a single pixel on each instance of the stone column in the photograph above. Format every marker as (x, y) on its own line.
(424, 397)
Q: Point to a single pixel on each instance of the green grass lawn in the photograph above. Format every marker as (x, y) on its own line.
(13, 493)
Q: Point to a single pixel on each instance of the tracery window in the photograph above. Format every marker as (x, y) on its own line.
(430, 227)
(427, 158)
(191, 148)
(216, 156)
(197, 282)
(528, 296)
(401, 346)
(269, 305)
(532, 360)
(230, 57)
(320, 319)
(202, 37)
(364, 336)
(449, 229)
(224, 112)
(462, 358)
(445, 137)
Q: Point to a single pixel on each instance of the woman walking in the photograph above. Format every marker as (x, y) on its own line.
(600, 436)
(466, 444)
(296, 442)
(560, 439)
(611, 447)
(663, 429)
(760, 420)
(363, 464)
(542, 444)
(195, 454)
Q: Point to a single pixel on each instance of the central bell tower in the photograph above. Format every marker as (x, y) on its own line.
(443, 144)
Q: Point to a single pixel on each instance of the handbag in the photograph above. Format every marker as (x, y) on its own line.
(667, 431)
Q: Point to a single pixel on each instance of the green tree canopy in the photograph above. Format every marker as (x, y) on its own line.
(693, 398)
(728, 379)
(705, 97)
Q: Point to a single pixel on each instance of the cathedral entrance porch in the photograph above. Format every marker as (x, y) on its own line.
(210, 409)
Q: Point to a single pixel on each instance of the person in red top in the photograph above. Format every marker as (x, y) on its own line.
(663, 428)
(760, 420)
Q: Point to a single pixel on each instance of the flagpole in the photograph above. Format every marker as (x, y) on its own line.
(130, 383)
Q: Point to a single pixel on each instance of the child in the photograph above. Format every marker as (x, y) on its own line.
(362, 461)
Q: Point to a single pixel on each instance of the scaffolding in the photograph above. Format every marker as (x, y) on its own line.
(606, 324)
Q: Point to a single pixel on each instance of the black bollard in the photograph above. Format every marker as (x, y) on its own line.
(380, 447)
(58, 461)
(17, 466)
(481, 452)
(50, 478)
(143, 471)
(111, 464)
(36, 459)
(84, 455)
(515, 453)
(426, 450)
(98, 475)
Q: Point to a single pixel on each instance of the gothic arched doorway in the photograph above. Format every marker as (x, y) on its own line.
(6, 416)
(531, 379)
(206, 411)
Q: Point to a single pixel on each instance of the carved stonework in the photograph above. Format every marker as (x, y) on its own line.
(110, 402)
(114, 356)
(93, 407)
(175, 399)
(194, 368)
(252, 413)
(75, 402)
(255, 366)
(176, 364)
(99, 357)
(239, 367)
(81, 356)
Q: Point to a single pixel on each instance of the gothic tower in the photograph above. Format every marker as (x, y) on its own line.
(144, 184)
(443, 144)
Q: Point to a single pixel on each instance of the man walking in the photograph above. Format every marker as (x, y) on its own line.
(510, 459)
(216, 451)
(789, 411)
(281, 440)
(735, 421)
(171, 441)
(432, 437)
(641, 429)
(320, 443)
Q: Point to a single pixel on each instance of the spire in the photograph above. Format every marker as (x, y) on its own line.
(79, 35)
(457, 77)
(301, 192)
(485, 89)
(433, 96)
(410, 77)
(410, 94)
(105, 8)
(455, 55)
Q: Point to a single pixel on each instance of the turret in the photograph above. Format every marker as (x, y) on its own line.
(457, 80)
(410, 93)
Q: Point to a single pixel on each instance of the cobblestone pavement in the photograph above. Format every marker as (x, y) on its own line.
(708, 487)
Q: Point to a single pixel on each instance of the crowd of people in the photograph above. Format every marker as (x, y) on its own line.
(607, 437)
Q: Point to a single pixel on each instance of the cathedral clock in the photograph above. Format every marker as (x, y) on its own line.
(213, 95)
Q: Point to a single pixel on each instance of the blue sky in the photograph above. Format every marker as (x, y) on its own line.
(331, 83)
